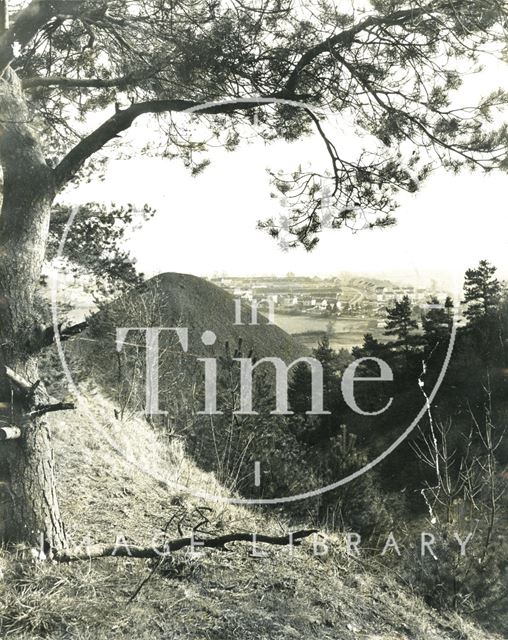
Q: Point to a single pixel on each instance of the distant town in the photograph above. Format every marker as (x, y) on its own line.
(343, 307)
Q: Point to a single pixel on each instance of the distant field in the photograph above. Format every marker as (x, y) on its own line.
(345, 332)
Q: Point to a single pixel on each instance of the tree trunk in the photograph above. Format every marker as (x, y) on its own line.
(26, 464)
(30, 506)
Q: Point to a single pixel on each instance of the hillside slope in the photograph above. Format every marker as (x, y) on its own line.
(182, 300)
(218, 596)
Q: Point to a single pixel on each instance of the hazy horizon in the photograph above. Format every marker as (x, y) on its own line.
(207, 223)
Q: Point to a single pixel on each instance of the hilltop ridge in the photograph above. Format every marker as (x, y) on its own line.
(182, 300)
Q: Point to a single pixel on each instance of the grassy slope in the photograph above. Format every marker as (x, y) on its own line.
(220, 596)
(176, 299)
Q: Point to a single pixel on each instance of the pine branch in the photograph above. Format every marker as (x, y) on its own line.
(41, 409)
(76, 83)
(18, 380)
(120, 550)
(124, 118)
(28, 22)
(46, 337)
(346, 38)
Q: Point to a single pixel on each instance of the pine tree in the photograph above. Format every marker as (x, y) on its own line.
(482, 291)
(400, 321)
(299, 392)
(328, 359)
(299, 389)
(482, 296)
(88, 59)
(371, 348)
(437, 322)
(325, 354)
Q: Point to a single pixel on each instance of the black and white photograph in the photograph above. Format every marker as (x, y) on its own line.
(253, 319)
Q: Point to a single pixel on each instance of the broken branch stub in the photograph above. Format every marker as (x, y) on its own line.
(10, 433)
(18, 380)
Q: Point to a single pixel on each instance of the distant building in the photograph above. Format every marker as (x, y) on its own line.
(324, 304)
(245, 294)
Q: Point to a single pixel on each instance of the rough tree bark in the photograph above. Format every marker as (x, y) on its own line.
(26, 464)
(30, 185)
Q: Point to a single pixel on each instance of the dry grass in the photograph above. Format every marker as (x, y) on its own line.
(218, 596)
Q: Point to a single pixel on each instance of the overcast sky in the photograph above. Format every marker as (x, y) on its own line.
(207, 224)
